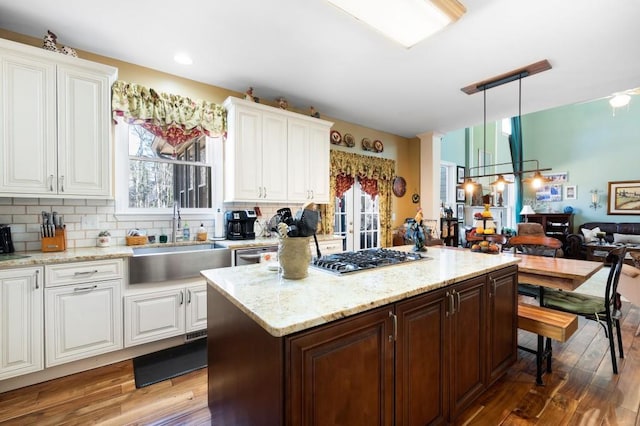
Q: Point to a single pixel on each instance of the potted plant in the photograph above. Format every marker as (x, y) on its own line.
(104, 239)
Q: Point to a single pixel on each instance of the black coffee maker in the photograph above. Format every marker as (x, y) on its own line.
(6, 243)
(239, 224)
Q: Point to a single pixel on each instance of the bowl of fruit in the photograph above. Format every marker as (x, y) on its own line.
(486, 247)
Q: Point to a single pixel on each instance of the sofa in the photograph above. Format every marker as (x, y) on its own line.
(615, 232)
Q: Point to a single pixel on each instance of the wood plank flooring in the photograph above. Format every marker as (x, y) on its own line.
(581, 391)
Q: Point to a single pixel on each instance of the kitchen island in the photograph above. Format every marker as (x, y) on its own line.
(403, 344)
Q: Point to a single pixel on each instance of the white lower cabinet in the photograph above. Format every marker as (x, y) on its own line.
(83, 320)
(83, 310)
(21, 332)
(161, 313)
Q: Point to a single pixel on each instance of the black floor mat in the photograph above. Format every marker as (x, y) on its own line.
(168, 363)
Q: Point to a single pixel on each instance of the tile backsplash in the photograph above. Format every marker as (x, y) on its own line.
(84, 219)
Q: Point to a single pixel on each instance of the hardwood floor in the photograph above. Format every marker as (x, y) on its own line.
(581, 391)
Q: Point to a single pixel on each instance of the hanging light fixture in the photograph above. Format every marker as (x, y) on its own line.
(518, 74)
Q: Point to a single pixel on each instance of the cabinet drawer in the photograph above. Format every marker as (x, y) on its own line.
(83, 272)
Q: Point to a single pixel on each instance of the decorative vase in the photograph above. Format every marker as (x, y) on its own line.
(104, 241)
(294, 256)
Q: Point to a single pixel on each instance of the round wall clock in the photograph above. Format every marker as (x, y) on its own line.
(399, 186)
(415, 198)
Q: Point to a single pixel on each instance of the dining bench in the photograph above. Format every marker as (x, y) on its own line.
(547, 324)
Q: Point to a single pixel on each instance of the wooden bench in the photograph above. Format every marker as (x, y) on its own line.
(546, 323)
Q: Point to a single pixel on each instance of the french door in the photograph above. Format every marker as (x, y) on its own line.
(357, 218)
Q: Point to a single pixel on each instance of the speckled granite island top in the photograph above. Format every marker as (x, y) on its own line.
(283, 306)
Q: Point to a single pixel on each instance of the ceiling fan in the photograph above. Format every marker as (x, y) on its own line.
(621, 99)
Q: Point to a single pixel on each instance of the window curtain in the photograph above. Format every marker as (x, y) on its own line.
(175, 118)
(515, 145)
(375, 176)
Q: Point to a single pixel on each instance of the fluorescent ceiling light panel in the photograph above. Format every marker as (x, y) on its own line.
(404, 21)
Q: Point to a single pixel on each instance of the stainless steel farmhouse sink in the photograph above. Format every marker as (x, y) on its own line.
(166, 263)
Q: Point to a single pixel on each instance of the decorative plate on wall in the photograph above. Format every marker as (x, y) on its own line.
(399, 186)
(366, 144)
(415, 198)
(377, 146)
(336, 137)
(349, 140)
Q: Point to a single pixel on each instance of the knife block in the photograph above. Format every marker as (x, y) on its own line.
(57, 243)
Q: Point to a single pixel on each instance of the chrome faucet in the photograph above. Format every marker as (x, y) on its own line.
(176, 226)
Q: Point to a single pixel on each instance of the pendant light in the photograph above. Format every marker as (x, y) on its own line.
(537, 179)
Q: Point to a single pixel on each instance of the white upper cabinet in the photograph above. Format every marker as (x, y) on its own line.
(308, 161)
(273, 155)
(55, 138)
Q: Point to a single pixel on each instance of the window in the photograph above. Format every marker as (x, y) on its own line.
(448, 177)
(155, 173)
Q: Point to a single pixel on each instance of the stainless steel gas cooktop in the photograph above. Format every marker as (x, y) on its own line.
(355, 261)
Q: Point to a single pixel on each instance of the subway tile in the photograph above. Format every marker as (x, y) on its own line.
(73, 202)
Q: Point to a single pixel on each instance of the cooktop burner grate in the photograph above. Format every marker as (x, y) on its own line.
(354, 261)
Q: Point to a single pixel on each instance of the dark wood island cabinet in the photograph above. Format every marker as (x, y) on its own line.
(416, 361)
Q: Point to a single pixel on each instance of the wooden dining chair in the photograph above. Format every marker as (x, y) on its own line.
(537, 245)
(605, 310)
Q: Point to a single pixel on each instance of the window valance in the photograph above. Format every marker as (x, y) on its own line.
(175, 118)
(375, 176)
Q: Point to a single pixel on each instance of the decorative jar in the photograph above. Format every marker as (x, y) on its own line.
(294, 256)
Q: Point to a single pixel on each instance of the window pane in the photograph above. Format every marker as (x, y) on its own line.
(150, 184)
(158, 172)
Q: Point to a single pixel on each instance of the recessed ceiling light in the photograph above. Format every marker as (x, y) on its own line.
(183, 58)
(404, 21)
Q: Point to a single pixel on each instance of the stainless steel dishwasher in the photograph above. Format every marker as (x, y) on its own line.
(251, 255)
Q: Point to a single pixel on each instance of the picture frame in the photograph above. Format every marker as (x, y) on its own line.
(570, 192)
(460, 174)
(623, 197)
(460, 194)
(460, 212)
(557, 177)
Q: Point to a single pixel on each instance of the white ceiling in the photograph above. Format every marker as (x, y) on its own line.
(313, 54)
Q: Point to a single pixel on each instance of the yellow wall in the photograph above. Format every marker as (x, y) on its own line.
(404, 151)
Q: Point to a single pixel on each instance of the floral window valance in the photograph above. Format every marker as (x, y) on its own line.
(375, 176)
(346, 167)
(175, 118)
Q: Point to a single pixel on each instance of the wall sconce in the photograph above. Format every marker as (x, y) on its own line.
(595, 198)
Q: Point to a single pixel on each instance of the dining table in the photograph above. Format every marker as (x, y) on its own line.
(555, 272)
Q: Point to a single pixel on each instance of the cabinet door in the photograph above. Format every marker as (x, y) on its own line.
(308, 162)
(299, 155)
(274, 157)
(319, 169)
(503, 322)
(243, 155)
(84, 147)
(28, 163)
(82, 320)
(421, 360)
(196, 307)
(21, 326)
(153, 316)
(468, 343)
(342, 373)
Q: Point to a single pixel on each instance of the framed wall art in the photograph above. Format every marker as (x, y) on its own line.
(460, 212)
(570, 192)
(624, 197)
(460, 174)
(460, 195)
(557, 177)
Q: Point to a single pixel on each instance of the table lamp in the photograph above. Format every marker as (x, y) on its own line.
(526, 210)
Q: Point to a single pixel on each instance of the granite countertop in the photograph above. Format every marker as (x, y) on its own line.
(283, 306)
(31, 258)
(266, 241)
